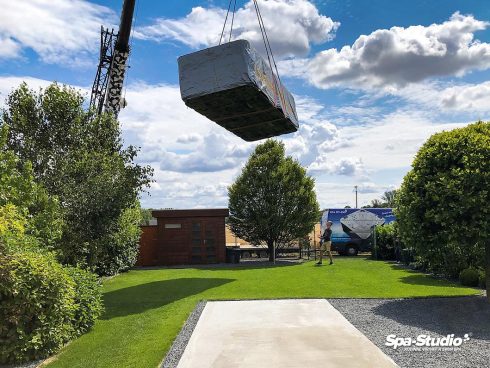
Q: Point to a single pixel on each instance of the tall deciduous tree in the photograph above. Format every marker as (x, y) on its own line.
(273, 200)
(80, 158)
(442, 205)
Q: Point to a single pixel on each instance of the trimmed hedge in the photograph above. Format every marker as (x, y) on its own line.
(36, 306)
(442, 205)
(43, 305)
(88, 299)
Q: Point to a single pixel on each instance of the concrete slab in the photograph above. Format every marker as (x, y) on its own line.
(305, 333)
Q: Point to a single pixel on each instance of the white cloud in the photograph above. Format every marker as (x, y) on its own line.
(8, 84)
(471, 99)
(59, 31)
(188, 138)
(395, 57)
(291, 25)
(215, 153)
(9, 49)
(348, 166)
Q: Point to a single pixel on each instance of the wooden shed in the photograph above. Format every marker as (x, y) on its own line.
(184, 237)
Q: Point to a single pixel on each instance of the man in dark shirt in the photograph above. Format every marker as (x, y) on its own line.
(326, 243)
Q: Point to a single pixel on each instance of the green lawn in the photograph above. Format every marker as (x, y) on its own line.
(145, 309)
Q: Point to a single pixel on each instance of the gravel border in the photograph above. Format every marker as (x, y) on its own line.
(31, 364)
(437, 317)
(177, 349)
(407, 317)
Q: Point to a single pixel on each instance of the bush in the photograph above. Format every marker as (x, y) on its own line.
(441, 207)
(121, 245)
(88, 299)
(469, 276)
(482, 279)
(36, 306)
(385, 242)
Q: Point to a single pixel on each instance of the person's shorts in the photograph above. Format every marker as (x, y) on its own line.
(326, 245)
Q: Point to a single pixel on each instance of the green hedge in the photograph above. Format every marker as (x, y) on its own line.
(88, 299)
(385, 242)
(442, 204)
(36, 306)
(43, 305)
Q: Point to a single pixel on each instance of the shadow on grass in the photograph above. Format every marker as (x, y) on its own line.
(140, 298)
(243, 265)
(421, 278)
(453, 315)
(417, 277)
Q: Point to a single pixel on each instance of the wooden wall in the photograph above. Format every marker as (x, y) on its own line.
(148, 247)
(183, 237)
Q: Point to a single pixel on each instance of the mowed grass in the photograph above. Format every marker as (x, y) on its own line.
(145, 309)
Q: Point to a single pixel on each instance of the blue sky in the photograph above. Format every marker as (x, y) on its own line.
(372, 80)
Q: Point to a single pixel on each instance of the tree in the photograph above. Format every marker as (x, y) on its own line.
(273, 201)
(146, 216)
(79, 157)
(389, 198)
(25, 206)
(442, 205)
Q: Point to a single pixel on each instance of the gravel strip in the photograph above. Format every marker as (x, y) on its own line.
(180, 342)
(32, 364)
(437, 317)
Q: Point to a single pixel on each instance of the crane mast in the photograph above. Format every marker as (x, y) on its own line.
(114, 52)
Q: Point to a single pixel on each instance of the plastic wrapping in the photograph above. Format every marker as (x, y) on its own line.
(233, 85)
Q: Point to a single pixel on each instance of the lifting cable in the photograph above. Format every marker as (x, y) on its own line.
(265, 39)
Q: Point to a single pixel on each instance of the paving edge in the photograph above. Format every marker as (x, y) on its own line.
(175, 352)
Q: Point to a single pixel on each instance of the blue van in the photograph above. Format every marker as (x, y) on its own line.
(352, 227)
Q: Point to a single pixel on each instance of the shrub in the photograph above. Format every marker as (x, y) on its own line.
(441, 207)
(36, 306)
(482, 279)
(88, 299)
(385, 242)
(469, 276)
(121, 245)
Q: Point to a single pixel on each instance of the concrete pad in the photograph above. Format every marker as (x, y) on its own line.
(305, 333)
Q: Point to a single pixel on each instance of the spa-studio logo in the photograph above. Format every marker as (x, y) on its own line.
(424, 342)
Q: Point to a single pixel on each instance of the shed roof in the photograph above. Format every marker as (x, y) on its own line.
(204, 212)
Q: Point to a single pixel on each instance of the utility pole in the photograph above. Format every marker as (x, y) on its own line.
(355, 187)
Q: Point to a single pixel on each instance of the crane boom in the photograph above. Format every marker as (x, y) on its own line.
(109, 80)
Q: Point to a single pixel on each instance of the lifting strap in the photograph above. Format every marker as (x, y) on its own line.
(270, 56)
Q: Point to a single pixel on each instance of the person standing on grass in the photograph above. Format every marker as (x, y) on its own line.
(326, 243)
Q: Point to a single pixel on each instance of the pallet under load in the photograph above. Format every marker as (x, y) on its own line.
(232, 85)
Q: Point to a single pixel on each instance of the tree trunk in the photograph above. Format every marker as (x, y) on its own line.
(487, 271)
(270, 245)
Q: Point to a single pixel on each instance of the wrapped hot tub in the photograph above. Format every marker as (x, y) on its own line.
(233, 85)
